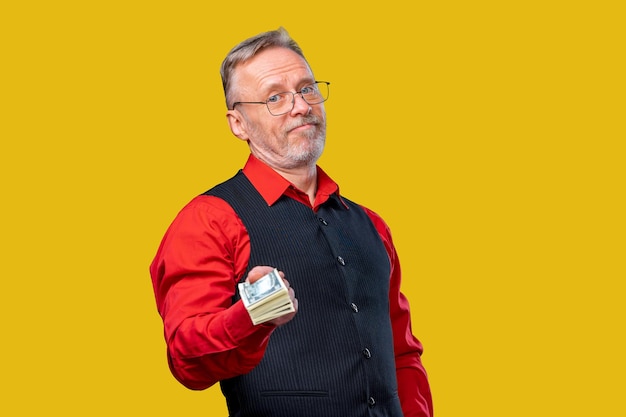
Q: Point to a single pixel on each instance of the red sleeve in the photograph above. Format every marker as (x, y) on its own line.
(413, 386)
(194, 274)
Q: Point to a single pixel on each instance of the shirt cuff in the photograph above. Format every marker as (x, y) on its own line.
(240, 327)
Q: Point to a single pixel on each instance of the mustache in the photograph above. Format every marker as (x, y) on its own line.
(304, 120)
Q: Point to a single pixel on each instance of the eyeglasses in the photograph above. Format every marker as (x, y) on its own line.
(282, 103)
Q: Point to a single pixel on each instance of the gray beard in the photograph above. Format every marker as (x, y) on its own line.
(307, 153)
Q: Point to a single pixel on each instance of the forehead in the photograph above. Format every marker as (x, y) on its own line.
(273, 67)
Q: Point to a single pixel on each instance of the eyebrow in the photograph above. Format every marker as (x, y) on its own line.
(280, 89)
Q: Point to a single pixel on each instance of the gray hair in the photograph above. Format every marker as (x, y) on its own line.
(248, 49)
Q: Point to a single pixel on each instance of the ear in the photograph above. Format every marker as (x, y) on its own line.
(237, 124)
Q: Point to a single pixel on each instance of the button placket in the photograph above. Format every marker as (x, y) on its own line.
(340, 259)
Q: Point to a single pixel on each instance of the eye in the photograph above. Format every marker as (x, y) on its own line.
(308, 90)
(274, 99)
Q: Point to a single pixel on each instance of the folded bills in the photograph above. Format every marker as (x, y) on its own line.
(266, 299)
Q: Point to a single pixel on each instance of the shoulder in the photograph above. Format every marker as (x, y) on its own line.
(381, 226)
(205, 203)
(206, 212)
(377, 220)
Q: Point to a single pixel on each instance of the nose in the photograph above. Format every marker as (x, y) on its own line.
(300, 106)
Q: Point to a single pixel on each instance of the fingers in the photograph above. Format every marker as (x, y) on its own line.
(292, 294)
(290, 290)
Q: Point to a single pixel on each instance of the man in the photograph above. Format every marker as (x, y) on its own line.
(347, 349)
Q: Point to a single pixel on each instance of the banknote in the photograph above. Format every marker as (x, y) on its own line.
(266, 298)
(261, 289)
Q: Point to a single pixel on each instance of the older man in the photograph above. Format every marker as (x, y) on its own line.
(346, 347)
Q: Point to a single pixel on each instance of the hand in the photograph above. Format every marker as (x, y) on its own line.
(260, 271)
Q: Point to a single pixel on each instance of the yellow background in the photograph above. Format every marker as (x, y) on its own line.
(489, 134)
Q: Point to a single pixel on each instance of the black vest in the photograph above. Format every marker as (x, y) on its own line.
(335, 358)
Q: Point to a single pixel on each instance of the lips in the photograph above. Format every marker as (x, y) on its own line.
(301, 127)
(306, 122)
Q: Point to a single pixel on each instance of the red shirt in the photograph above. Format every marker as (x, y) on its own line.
(195, 272)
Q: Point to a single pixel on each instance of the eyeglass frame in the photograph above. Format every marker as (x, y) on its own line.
(293, 99)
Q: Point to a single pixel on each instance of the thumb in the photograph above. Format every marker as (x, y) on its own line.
(258, 272)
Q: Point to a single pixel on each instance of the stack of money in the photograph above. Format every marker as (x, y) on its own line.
(266, 298)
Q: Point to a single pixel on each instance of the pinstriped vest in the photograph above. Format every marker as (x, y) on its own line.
(335, 358)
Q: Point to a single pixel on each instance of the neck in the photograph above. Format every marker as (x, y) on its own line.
(304, 179)
(302, 175)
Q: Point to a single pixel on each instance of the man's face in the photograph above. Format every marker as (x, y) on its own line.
(292, 140)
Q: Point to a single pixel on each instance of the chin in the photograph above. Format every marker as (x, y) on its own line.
(304, 157)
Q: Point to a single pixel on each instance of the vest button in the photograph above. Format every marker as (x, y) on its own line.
(367, 353)
(371, 402)
(354, 307)
(341, 260)
(324, 222)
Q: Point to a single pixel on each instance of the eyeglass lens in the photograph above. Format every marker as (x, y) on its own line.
(284, 102)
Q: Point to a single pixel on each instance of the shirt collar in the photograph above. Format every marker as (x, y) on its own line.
(271, 185)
